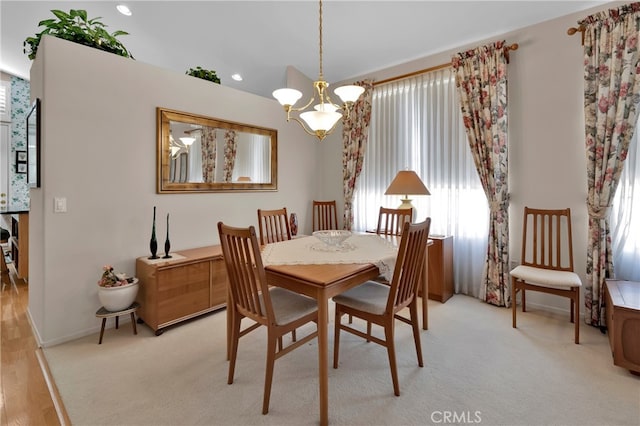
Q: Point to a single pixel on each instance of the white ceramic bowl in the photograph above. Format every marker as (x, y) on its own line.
(116, 299)
(333, 237)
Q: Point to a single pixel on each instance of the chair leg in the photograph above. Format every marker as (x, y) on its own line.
(514, 292)
(336, 337)
(571, 303)
(368, 331)
(235, 336)
(413, 311)
(391, 351)
(576, 300)
(293, 336)
(268, 379)
(524, 300)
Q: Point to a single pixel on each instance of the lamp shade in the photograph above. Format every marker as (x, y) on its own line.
(407, 182)
(321, 120)
(349, 93)
(187, 140)
(287, 96)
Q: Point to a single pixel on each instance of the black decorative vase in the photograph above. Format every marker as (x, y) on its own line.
(167, 243)
(153, 244)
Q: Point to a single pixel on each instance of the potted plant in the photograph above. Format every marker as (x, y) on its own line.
(115, 291)
(204, 74)
(74, 26)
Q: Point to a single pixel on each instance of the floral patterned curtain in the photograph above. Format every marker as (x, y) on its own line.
(481, 81)
(355, 133)
(208, 142)
(230, 146)
(611, 96)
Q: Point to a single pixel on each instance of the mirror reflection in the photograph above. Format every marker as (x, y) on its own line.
(204, 154)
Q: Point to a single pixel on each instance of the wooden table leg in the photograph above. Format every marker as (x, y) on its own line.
(323, 348)
(104, 321)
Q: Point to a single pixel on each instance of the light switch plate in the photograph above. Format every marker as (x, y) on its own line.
(59, 205)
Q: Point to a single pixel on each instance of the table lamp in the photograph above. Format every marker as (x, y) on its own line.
(407, 182)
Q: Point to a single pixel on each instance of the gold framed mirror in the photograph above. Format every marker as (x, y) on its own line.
(196, 153)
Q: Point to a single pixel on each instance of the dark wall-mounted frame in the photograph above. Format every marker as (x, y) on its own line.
(34, 129)
(21, 162)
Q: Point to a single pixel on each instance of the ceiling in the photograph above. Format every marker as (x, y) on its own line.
(259, 39)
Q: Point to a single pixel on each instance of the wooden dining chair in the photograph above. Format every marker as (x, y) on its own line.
(325, 215)
(278, 309)
(273, 226)
(547, 261)
(380, 304)
(391, 221)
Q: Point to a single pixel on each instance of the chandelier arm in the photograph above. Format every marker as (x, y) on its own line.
(328, 98)
(304, 107)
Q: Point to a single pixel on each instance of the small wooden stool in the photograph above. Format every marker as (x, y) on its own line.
(104, 314)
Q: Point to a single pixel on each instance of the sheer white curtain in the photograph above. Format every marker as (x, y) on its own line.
(625, 217)
(416, 124)
(195, 159)
(253, 157)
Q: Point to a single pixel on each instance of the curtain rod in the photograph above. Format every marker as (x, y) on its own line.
(572, 30)
(514, 46)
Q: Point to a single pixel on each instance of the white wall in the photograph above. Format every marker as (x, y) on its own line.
(99, 152)
(547, 161)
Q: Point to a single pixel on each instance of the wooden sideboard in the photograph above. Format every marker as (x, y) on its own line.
(441, 268)
(191, 283)
(622, 304)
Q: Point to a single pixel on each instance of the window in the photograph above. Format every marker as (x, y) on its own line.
(5, 101)
(625, 217)
(416, 124)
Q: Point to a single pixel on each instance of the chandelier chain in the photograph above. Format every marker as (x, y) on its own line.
(320, 50)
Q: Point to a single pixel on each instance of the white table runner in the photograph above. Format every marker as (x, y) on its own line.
(366, 248)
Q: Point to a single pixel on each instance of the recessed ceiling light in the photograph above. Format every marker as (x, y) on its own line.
(123, 9)
(236, 77)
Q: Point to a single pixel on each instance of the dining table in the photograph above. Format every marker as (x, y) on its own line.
(303, 265)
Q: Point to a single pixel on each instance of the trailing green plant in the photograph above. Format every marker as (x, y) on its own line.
(204, 74)
(74, 26)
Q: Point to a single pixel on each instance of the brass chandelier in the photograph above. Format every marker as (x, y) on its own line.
(322, 119)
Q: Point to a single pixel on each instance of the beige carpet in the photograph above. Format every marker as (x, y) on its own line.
(477, 370)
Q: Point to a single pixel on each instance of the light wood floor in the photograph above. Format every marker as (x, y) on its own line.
(25, 392)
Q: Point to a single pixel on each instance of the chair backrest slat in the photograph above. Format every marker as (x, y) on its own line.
(273, 225)
(247, 279)
(391, 221)
(546, 239)
(409, 264)
(325, 215)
